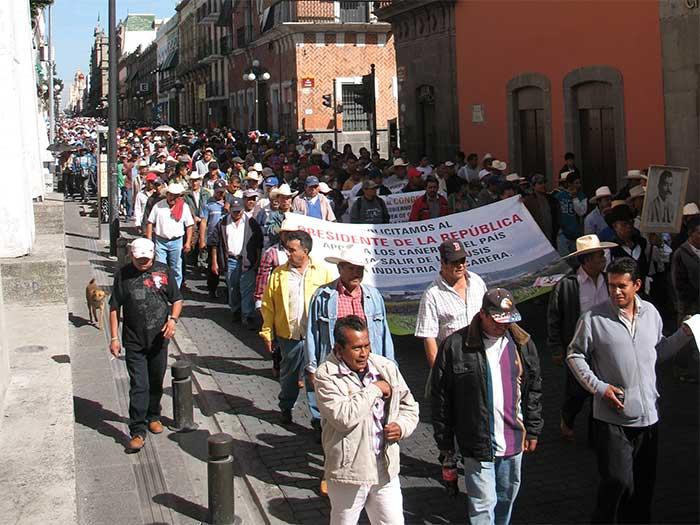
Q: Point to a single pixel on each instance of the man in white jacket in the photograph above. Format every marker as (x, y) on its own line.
(366, 409)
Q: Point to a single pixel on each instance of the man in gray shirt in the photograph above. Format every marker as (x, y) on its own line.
(613, 355)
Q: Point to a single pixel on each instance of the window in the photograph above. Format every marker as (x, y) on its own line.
(354, 115)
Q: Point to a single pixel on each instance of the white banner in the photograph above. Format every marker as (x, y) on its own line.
(504, 246)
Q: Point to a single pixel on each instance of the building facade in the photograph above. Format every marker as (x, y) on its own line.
(76, 94)
(191, 71)
(96, 103)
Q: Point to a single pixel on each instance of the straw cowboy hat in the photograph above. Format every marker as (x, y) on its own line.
(499, 165)
(637, 191)
(691, 209)
(175, 188)
(633, 175)
(354, 255)
(601, 192)
(590, 243)
(284, 190)
(514, 177)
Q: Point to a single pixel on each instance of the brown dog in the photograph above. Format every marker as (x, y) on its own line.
(95, 298)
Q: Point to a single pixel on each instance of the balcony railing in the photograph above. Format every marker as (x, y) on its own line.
(354, 12)
(316, 11)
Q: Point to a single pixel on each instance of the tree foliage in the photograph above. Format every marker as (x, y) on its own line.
(37, 5)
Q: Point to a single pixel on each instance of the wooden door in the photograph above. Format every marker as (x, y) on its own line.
(597, 149)
(532, 150)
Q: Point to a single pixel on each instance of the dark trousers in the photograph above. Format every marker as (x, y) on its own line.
(574, 398)
(212, 278)
(627, 466)
(146, 367)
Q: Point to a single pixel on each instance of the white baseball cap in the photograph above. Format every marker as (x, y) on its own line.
(142, 248)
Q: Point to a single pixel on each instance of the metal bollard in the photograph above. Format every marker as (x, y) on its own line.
(220, 478)
(183, 418)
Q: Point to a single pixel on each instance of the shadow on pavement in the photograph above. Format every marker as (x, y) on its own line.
(93, 415)
(193, 443)
(77, 321)
(182, 506)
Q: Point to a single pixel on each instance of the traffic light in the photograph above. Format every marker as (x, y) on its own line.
(327, 101)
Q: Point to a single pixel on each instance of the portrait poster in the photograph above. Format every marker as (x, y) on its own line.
(664, 200)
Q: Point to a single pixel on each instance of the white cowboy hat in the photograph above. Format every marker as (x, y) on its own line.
(175, 188)
(603, 191)
(324, 188)
(636, 191)
(171, 160)
(499, 165)
(252, 175)
(143, 164)
(284, 189)
(590, 243)
(257, 167)
(157, 168)
(691, 209)
(353, 254)
(514, 177)
(194, 176)
(399, 162)
(633, 175)
(287, 227)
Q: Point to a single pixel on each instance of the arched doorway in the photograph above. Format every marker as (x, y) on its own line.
(595, 125)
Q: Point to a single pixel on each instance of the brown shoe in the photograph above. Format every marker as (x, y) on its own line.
(155, 427)
(324, 488)
(136, 443)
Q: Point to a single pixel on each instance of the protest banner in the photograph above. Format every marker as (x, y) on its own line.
(504, 246)
(398, 205)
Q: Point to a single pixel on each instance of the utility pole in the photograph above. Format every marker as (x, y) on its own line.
(372, 102)
(52, 102)
(113, 190)
(335, 117)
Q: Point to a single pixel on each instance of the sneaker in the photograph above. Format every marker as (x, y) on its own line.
(136, 443)
(286, 417)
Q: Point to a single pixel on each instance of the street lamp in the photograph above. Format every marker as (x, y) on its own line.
(256, 73)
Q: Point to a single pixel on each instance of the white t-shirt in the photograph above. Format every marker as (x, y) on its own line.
(235, 235)
(164, 225)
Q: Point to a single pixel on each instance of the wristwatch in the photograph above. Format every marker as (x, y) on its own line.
(173, 318)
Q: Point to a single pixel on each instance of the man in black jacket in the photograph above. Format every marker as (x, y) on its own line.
(485, 393)
(579, 291)
(237, 242)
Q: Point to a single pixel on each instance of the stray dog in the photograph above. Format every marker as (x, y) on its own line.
(95, 298)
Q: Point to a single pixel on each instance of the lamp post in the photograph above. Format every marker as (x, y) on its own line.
(256, 73)
(113, 188)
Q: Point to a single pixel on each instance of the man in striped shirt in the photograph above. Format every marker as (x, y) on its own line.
(486, 394)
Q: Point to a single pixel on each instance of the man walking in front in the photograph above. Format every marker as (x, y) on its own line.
(614, 355)
(146, 293)
(486, 393)
(366, 409)
(285, 309)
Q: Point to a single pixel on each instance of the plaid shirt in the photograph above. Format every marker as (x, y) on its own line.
(271, 259)
(350, 303)
(442, 311)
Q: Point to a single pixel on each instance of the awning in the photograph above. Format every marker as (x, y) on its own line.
(170, 61)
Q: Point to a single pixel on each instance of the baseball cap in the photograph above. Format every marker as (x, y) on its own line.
(500, 305)
(219, 185)
(413, 173)
(272, 181)
(369, 185)
(452, 251)
(314, 169)
(236, 204)
(142, 248)
(312, 181)
(151, 177)
(238, 160)
(247, 194)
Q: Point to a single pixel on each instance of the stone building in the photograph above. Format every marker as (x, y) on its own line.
(76, 94)
(99, 66)
(167, 49)
(191, 71)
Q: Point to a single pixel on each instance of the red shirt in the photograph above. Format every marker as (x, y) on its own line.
(349, 303)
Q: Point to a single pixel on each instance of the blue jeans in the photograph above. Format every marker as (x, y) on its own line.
(492, 488)
(126, 199)
(291, 370)
(170, 252)
(241, 286)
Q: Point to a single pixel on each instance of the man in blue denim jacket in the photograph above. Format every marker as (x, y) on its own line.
(342, 297)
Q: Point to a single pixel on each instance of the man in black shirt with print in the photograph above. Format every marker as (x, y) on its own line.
(150, 300)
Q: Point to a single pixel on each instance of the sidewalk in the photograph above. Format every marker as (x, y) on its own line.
(167, 481)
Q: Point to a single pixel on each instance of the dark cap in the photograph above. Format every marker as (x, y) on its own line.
(538, 179)
(237, 159)
(452, 251)
(500, 305)
(369, 185)
(219, 185)
(621, 212)
(236, 204)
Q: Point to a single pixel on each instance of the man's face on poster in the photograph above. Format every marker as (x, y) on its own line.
(665, 186)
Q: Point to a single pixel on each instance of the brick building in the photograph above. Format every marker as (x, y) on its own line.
(305, 46)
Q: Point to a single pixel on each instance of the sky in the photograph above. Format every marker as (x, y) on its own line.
(74, 23)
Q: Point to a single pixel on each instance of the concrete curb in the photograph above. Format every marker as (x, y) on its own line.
(250, 466)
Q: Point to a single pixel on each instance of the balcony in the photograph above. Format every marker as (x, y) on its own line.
(215, 91)
(209, 12)
(208, 53)
(226, 44)
(354, 12)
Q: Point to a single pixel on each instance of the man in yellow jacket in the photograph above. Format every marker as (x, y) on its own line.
(285, 306)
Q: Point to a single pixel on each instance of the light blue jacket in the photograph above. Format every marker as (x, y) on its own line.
(323, 313)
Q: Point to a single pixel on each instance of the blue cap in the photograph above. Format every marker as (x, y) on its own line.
(272, 181)
(312, 181)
